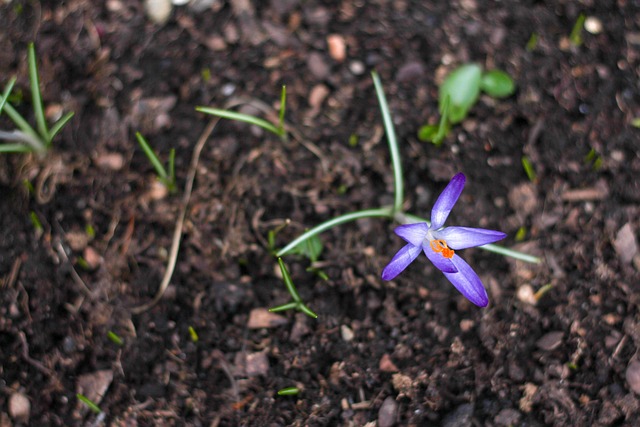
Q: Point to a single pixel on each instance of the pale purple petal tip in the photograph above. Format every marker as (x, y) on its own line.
(468, 283)
(447, 200)
(413, 233)
(443, 264)
(400, 261)
(465, 237)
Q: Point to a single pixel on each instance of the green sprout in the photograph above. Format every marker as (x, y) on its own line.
(278, 129)
(25, 138)
(635, 122)
(193, 334)
(594, 159)
(95, 408)
(288, 391)
(532, 43)
(168, 178)
(459, 93)
(576, 32)
(528, 169)
(114, 338)
(37, 225)
(521, 234)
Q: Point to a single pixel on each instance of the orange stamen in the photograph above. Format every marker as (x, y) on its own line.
(440, 246)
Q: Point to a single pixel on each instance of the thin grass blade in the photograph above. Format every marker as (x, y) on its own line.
(283, 103)
(57, 127)
(240, 117)
(7, 90)
(36, 96)
(15, 148)
(151, 155)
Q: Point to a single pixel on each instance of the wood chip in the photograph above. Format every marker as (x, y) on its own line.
(387, 365)
(599, 192)
(550, 341)
(263, 318)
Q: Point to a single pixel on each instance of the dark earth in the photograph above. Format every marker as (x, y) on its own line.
(557, 345)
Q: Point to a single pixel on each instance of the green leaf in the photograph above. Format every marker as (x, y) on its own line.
(288, 391)
(36, 97)
(95, 408)
(310, 248)
(193, 334)
(576, 32)
(532, 43)
(283, 103)
(57, 127)
(462, 87)
(284, 307)
(7, 91)
(153, 158)
(528, 169)
(497, 83)
(115, 338)
(437, 133)
(240, 117)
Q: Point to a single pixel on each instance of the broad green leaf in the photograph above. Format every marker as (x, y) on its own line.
(497, 83)
(462, 87)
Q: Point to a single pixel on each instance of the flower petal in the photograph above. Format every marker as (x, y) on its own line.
(467, 237)
(443, 264)
(447, 200)
(413, 233)
(468, 283)
(400, 261)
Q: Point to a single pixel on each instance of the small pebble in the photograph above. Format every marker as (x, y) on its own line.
(625, 244)
(19, 408)
(318, 95)
(525, 294)
(257, 364)
(633, 376)
(158, 10)
(593, 25)
(337, 47)
(357, 68)
(318, 65)
(110, 161)
(388, 413)
(347, 333)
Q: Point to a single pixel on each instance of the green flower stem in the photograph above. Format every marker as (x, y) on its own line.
(410, 219)
(393, 144)
(368, 213)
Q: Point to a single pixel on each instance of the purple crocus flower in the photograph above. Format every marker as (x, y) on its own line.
(439, 243)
